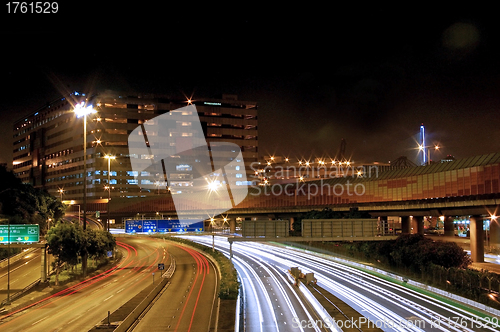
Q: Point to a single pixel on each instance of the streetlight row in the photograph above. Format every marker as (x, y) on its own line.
(308, 163)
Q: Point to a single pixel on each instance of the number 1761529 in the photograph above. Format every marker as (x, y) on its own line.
(39, 7)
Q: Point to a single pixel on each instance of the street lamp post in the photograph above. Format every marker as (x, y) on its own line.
(109, 157)
(82, 111)
(61, 192)
(422, 148)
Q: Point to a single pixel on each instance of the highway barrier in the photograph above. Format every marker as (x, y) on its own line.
(132, 317)
(314, 303)
(15, 258)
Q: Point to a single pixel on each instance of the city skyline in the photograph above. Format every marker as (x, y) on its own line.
(316, 82)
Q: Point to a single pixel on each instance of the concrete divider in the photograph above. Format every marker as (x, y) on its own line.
(314, 303)
(132, 317)
(15, 258)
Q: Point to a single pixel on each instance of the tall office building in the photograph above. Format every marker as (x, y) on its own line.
(48, 144)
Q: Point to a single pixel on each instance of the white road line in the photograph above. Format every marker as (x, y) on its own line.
(38, 321)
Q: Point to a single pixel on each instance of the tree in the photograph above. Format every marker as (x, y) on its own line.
(65, 244)
(415, 252)
(9, 180)
(98, 243)
(24, 204)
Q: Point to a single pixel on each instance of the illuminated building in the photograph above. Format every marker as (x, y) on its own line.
(48, 144)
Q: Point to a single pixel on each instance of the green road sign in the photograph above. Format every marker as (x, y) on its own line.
(19, 234)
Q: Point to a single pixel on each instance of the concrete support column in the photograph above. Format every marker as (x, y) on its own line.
(449, 227)
(405, 225)
(384, 225)
(418, 225)
(495, 233)
(232, 225)
(476, 239)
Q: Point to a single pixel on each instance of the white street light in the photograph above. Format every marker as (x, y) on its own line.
(82, 111)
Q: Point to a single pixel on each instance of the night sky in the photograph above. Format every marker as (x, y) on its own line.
(369, 75)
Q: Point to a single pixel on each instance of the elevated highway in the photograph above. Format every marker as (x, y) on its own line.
(465, 187)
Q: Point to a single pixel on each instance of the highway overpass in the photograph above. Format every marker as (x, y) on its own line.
(462, 187)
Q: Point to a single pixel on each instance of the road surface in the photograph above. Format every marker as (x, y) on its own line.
(271, 302)
(22, 273)
(80, 307)
(189, 302)
(381, 301)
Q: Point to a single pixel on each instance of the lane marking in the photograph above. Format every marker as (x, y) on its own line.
(38, 321)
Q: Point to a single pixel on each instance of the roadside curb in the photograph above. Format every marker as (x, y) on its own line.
(314, 303)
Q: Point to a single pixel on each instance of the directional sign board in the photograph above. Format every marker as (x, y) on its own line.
(162, 226)
(161, 266)
(19, 234)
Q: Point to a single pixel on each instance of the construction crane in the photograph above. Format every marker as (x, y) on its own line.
(402, 162)
(341, 153)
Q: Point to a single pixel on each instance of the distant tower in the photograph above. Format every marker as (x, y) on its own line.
(341, 152)
(423, 148)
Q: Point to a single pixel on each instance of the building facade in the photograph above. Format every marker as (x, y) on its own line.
(48, 144)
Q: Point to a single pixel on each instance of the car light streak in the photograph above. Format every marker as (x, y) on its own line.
(70, 290)
(257, 279)
(433, 316)
(254, 291)
(200, 270)
(282, 290)
(267, 268)
(355, 276)
(86, 283)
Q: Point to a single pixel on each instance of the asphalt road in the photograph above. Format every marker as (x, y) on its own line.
(381, 301)
(22, 273)
(271, 302)
(27, 270)
(81, 306)
(189, 302)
